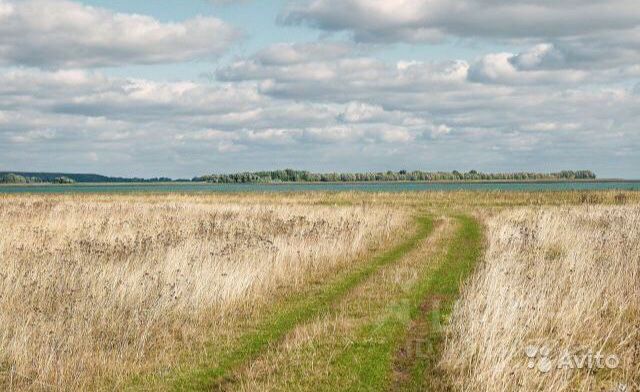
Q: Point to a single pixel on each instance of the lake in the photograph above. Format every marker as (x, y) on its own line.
(330, 187)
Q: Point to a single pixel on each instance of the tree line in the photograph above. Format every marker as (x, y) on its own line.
(40, 177)
(290, 175)
(12, 178)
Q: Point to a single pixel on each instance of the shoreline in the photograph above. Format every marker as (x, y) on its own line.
(202, 183)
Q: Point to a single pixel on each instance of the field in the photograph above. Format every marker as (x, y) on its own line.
(555, 281)
(318, 291)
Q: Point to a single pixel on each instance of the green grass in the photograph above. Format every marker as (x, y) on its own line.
(290, 315)
(370, 361)
(444, 285)
(367, 364)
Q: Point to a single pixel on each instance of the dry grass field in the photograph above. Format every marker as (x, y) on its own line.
(95, 288)
(191, 292)
(559, 287)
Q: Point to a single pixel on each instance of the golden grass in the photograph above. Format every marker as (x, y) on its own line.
(306, 360)
(435, 199)
(101, 287)
(564, 278)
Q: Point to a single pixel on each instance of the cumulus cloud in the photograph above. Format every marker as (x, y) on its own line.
(413, 114)
(296, 53)
(543, 55)
(50, 108)
(590, 34)
(356, 112)
(502, 102)
(425, 20)
(561, 94)
(350, 77)
(63, 33)
(524, 68)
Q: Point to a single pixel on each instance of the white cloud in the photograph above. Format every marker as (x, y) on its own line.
(346, 78)
(572, 34)
(36, 135)
(63, 33)
(440, 130)
(396, 135)
(426, 20)
(406, 118)
(568, 93)
(361, 112)
(540, 55)
(6, 10)
(552, 126)
(510, 69)
(295, 53)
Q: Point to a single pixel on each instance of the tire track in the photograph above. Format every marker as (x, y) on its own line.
(316, 354)
(276, 328)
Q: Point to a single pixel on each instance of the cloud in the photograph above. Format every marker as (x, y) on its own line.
(428, 20)
(296, 53)
(535, 104)
(331, 105)
(565, 41)
(37, 135)
(356, 112)
(6, 10)
(350, 77)
(132, 120)
(523, 68)
(394, 115)
(543, 55)
(63, 34)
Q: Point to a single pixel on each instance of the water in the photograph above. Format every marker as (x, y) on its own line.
(330, 187)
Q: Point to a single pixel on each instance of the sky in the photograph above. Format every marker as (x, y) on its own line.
(182, 88)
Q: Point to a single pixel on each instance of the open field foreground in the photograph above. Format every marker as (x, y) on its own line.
(318, 291)
(555, 306)
(96, 289)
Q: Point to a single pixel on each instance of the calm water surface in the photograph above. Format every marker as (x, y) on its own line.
(331, 187)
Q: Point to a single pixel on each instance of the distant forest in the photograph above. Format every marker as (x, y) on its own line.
(289, 175)
(12, 178)
(67, 178)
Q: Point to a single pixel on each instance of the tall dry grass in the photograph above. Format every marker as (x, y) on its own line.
(93, 289)
(556, 282)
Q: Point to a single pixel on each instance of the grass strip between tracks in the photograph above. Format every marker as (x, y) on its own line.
(277, 326)
(389, 354)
